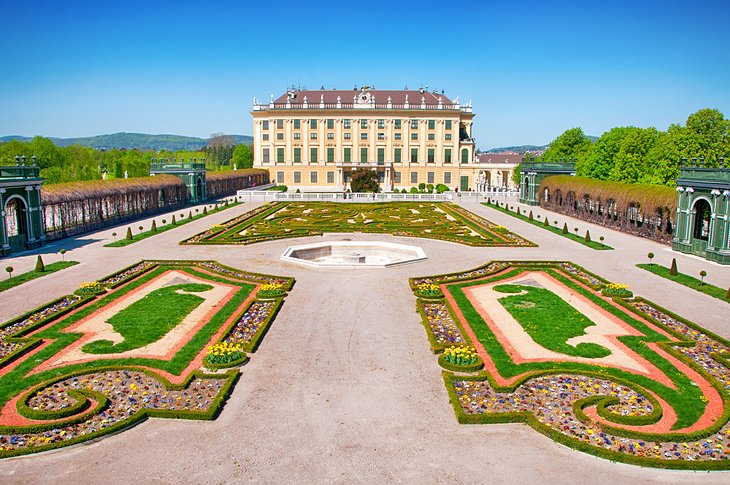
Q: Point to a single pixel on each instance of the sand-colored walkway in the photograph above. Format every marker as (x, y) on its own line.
(344, 387)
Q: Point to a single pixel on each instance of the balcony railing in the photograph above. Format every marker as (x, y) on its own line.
(387, 106)
(161, 167)
(20, 172)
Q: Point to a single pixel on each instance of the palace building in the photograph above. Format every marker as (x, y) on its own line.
(313, 140)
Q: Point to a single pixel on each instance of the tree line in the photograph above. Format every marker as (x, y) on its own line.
(75, 163)
(645, 155)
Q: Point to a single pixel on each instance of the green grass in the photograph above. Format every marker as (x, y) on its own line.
(119, 243)
(31, 275)
(549, 320)
(555, 230)
(149, 319)
(684, 397)
(412, 219)
(687, 280)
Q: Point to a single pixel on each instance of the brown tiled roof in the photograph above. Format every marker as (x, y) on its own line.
(381, 96)
(499, 158)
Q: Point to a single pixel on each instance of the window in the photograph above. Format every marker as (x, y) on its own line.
(297, 155)
(297, 124)
(431, 155)
(363, 123)
(279, 155)
(381, 136)
(313, 136)
(414, 136)
(430, 177)
(396, 124)
(396, 177)
(447, 178)
(346, 124)
(448, 124)
(414, 178)
(280, 136)
(448, 136)
(396, 155)
(431, 136)
(431, 124)
(297, 177)
(414, 155)
(381, 124)
(313, 177)
(414, 124)
(330, 124)
(348, 136)
(363, 136)
(265, 137)
(280, 177)
(363, 154)
(465, 156)
(313, 155)
(447, 155)
(397, 136)
(381, 156)
(313, 124)
(265, 124)
(266, 155)
(330, 177)
(279, 124)
(348, 155)
(330, 155)
(330, 136)
(297, 136)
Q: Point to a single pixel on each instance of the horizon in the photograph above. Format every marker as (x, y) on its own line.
(532, 71)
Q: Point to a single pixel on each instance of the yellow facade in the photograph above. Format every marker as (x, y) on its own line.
(314, 139)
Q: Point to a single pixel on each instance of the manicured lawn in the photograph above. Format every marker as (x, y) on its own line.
(123, 241)
(150, 318)
(31, 275)
(556, 230)
(297, 219)
(549, 320)
(687, 280)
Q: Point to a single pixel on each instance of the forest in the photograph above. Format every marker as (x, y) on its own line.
(645, 155)
(76, 163)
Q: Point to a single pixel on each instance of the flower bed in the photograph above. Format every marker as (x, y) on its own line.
(224, 355)
(429, 291)
(271, 290)
(461, 359)
(617, 290)
(92, 288)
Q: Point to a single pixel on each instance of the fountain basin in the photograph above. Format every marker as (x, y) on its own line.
(353, 254)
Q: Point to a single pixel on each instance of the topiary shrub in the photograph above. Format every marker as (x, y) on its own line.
(39, 266)
(10, 270)
(703, 273)
(173, 220)
(673, 270)
(530, 216)
(62, 252)
(129, 234)
(205, 210)
(154, 226)
(565, 228)
(727, 295)
(588, 236)
(650, 256)
(190, 215)
(546, 222)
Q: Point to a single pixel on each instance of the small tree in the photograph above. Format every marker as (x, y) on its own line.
(173, 220)
(164, 221)
(182, 216)
(39, 266)
(703, 273)
(650, 256)
(673, 270)
(62, 252)
(129, 234)
(205, 210)
(141, 228)
(565, 228)
(530, 216)
(365, 180)
(546, 222)
(727, 295)
(422, 186)
(10, 270)
(588, 236)
(153, 228)
(601, 238)
(114, 234)
(190, 215)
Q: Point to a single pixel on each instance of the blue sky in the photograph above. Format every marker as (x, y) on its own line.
(531, 69)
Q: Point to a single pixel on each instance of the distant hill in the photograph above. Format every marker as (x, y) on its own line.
(528, 148)
(141, 141)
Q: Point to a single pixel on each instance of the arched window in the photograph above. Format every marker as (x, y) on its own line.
(702, 219)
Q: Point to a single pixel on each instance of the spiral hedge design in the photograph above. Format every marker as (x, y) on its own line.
(277, 220)
(671, 413)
